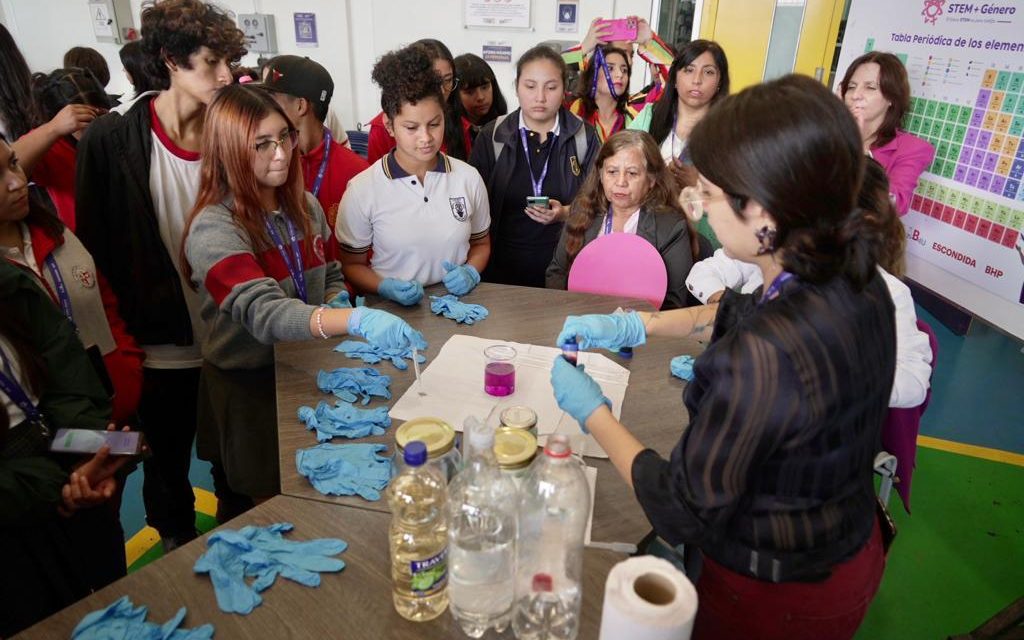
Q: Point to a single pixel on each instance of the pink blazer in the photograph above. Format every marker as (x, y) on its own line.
(904, 159)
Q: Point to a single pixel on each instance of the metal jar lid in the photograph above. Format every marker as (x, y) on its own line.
(519, 417)
(438, 435)
(514, 448)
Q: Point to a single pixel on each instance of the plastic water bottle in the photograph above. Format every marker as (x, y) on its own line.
(554, 502)
(418, 537)
(481, 537)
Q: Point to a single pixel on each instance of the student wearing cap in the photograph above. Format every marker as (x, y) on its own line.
(304, 88)
(425, 215)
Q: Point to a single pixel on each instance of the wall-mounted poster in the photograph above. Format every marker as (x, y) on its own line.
(966, 73)
(497, 13)
(568, 20)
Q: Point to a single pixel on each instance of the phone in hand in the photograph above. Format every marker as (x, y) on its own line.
(542, 202)
(621, 29)
(121, 443)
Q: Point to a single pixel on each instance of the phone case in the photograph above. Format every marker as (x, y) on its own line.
(122, 443)
(622, 29)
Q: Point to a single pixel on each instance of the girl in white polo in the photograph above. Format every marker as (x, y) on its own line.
(424, 215)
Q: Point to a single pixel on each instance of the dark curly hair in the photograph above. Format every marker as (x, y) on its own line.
(172, 30)
(406, 76)
(91, 59)
(586, 80)
(793, 147)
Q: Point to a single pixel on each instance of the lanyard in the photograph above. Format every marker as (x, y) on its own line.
(9, 385)
(62, 291)
(294, 261)
(537, 184)
(776, 286)
(600, 62)
(608, 221)
(323, 162)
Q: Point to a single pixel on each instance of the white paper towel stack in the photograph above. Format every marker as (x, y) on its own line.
(646, 598)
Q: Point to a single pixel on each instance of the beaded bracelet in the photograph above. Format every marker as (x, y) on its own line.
(320, 323)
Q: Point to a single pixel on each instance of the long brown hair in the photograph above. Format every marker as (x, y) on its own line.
(591, 202)
(591, 71)
(228, 151)
(878, 211)
(895, 87)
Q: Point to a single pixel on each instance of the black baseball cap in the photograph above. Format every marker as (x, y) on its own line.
(303, 78)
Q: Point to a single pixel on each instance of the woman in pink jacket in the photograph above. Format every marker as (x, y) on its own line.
(877, 92)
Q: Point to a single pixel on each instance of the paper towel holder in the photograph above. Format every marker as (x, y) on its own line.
(655, 589)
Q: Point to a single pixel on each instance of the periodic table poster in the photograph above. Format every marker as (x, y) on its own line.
(966, 68)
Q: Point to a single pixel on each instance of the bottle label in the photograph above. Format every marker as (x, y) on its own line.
(431, 575)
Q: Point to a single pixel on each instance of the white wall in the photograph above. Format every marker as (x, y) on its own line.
(353, 34)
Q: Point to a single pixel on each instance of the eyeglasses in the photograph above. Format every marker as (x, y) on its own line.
(695, 206)
(448, 83)
(268, 148)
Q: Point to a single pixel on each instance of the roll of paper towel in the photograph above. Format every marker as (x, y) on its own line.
(647, 598)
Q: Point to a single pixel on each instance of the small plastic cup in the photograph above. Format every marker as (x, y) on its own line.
(500, 370)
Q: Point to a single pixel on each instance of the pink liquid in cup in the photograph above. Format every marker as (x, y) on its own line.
(500, 378)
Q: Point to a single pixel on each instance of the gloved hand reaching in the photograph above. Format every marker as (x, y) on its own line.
(404, 292)
(576, 392)
(460, 279)
(612, 331)
(382, 329)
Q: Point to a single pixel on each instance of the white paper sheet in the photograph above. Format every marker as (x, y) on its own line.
(454, 387)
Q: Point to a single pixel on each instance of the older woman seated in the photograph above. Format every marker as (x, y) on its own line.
(630, 190)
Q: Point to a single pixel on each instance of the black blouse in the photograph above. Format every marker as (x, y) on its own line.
(773, 476)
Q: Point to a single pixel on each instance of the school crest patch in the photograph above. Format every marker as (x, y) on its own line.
(574, 164)
(459, 208)
(85, 277)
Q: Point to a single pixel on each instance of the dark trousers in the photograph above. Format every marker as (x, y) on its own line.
(167, 415)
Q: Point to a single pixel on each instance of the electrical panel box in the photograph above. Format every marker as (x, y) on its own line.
(259, 30)
(112, 21)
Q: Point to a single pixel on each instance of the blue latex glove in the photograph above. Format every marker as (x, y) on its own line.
(682, 367)
(346, 469)
(460, 279)
(348, 384)
(383, 329)
(262, 553)
(450, 307)
(576, 392)
(344, 420)
(404, 292)
(372, 355)
(340, 301)
(123, 621)
(611, 331)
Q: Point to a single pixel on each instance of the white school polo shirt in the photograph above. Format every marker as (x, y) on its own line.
(413, 228)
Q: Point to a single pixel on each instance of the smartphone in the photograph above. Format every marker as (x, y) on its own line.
(121, 443)
(543, 202)
(621, 29)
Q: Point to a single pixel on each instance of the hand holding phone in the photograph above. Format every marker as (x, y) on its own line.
(541, 202)
(121, 443)
(622, 29)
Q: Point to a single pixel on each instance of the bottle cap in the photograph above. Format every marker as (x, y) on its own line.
(519, 417)
(514, 448)
(571, 341)
(438, 435)
(415, 453)
(542, 582)
(557, 447)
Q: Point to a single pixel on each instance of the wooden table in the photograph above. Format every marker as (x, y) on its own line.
(652, 408)
(353, 604)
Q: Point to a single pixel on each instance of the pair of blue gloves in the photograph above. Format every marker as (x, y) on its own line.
(463, 312)
(349, 384)
(345, 420)
(123, 621)
(263, 553)
(371, 354)
(346, 469)
(576, 392)
(458, 279)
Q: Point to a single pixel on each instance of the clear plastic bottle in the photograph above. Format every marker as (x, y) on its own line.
(554, 502)
(481, 537)
(418, 537)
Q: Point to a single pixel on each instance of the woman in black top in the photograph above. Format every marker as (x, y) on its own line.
(539, 149)
(772, 479)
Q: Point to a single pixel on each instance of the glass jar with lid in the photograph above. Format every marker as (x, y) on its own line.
(439, 436)
(520, 417)
(515, 450)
